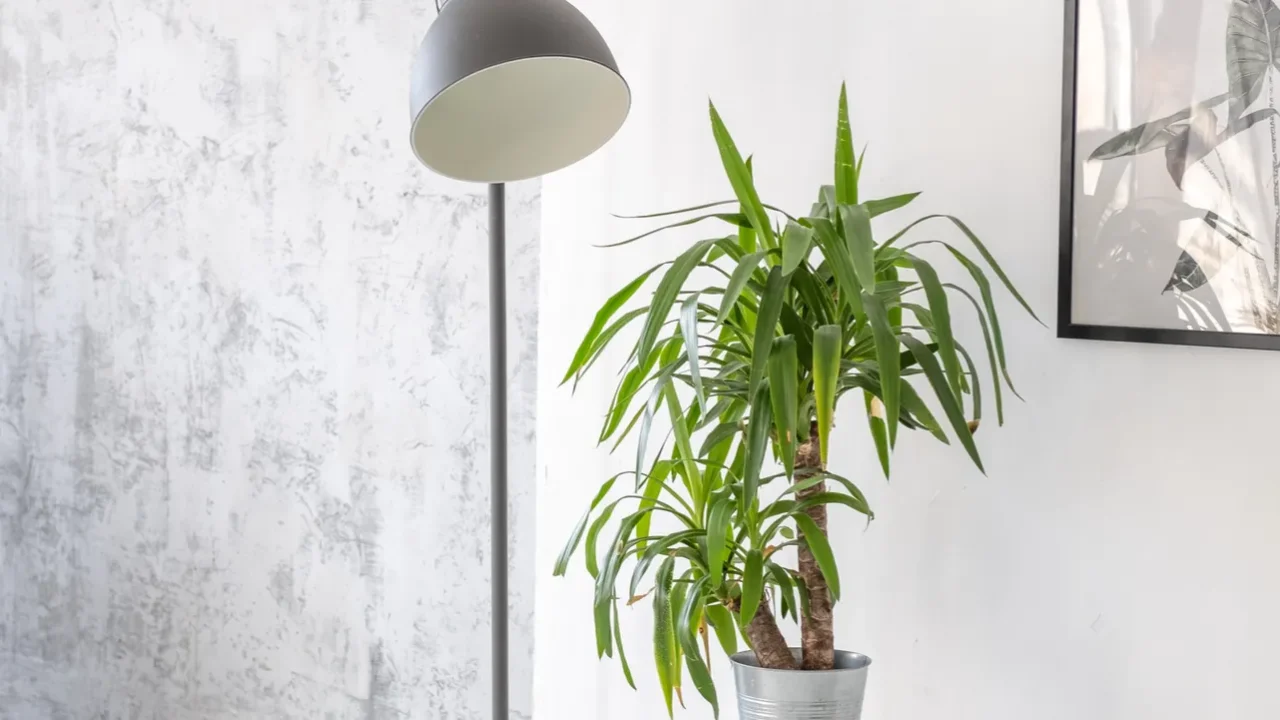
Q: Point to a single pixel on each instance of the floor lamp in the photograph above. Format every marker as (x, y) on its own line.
(507, 90)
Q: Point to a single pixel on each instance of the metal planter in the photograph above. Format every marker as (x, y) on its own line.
(801, 694)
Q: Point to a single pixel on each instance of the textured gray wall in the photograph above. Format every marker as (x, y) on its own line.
(242, 371)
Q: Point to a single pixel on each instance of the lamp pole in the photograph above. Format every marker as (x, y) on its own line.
(498, 444)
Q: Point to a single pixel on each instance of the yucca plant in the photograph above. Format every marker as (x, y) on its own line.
(748, 343)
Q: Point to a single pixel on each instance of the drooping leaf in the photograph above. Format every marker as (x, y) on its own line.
(828, 344)
(652, 487)
(611, 306)
(717, 536)
(562, 562)
(889, 360)
(721, 620)
(602, 340)
(916, 407)
(658, 548)
(740, 178)
(738, 281)
(622, 653)
(950, 404)
(1253, 48)
(846, 166)
(665, 295)
(992, 360)
(664, 635)
(689, 331)
(939, 308)
(680, 430)
(796, 241)
(821, 549)
(982, 250)
(687, 634)
(784, 373)
(735, 219)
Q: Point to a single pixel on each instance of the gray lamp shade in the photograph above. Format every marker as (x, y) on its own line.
(506, 90)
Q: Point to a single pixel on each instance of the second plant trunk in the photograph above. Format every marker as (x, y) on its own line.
(817, 635)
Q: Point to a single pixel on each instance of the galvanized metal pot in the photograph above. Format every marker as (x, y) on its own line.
(801, 694)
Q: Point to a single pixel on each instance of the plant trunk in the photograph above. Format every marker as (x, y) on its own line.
(766, 639)
(817, 635)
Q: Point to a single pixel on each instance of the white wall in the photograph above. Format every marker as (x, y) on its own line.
(1119, 559)
(243, 417)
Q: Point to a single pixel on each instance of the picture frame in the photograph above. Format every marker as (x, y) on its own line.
(1182, 314)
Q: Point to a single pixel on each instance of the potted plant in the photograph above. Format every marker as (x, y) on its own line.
(746, 345)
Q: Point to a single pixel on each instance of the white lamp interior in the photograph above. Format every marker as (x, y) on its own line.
(521, 119)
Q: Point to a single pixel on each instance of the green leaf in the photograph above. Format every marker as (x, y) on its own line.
(821, 550)
(766, 326)
(664, 635)
(562, 562)
(840, 262)
(622, 654)
(796, 241)
(593, 560)
(659, 547)
(752, 586)
(689, 329)
(950, 404)
(786, 588)
(656, 396)
(756, 443)
(602, 341)
(687, 633)
(665, 295)
(784, 374)
(832, 498)
(653, 486)
(888, 358)
(738, 281)
(604, 629)
(740, 178)
(862, 246)
(992, 361)
(939, 308)
(988, 301)
(886, 205)
(912, 403)
(977, 385)
(717, 536)
(846, 167)
(879, 433)
(721, 620)
(746, 234)
(982, 250)
(681, 432)
(827, 346)
(736, 219)
(718, 435)
(616, 301)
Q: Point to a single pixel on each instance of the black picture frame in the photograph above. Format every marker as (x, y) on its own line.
(1068, 329)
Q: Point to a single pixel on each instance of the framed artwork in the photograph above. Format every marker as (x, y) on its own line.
(1171, 172)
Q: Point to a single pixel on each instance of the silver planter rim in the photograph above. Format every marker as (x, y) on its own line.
(846, 661)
